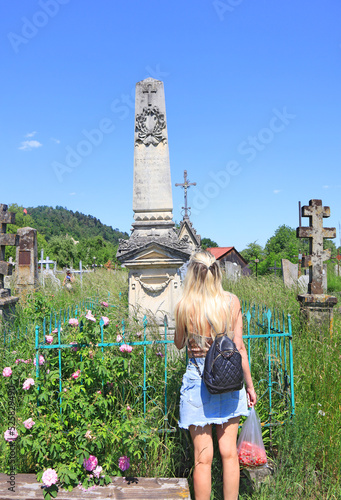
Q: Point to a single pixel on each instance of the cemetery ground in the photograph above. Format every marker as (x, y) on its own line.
(101, 410)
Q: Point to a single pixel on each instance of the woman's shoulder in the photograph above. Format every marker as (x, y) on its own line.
(231, 297)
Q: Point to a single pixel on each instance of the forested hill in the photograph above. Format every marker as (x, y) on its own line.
(59, 221)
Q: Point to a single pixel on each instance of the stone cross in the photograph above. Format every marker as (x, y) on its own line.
(186, 185)
(5, 240)
(149, 90)
(316, 234)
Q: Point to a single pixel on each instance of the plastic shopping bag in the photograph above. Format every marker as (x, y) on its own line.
(250, 447)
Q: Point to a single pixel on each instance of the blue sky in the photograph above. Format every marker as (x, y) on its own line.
(252, 99)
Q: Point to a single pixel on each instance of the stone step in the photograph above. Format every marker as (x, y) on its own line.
(133, 488)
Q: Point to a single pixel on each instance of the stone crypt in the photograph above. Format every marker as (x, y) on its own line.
(154, 253)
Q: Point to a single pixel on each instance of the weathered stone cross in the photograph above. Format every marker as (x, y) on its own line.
(5, 239)
(186, 185)
(316, 234)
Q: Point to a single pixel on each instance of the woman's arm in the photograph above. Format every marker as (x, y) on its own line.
(238, 340)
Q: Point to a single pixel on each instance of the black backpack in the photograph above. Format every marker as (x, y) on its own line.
(223, 370)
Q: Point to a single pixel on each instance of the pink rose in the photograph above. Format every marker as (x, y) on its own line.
(119, 338)
(27, 384)
(106, 320)
(49, 338)
(76, 374)
(125, 348)
(97, 471)
(41, 360)
(56, 330)
(91, 463)
(104, 304)
(29, 423)
(124, 463)
(90, 317)
(73, 322)
(7, 371)
(49, 477)
(11, 434)
(74, 348)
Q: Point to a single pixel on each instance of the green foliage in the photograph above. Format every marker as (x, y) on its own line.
(208, 243)
(59, 222)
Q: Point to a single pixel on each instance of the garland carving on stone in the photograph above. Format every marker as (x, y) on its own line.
(153, 288)
(149, 126)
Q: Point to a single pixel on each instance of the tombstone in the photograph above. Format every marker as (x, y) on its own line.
(186, 230)
(7, 303)
(315, 304)
(26, 269)
(233, 270)
(290, 273)
(153, 254)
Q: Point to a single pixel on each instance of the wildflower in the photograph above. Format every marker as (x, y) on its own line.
(124, 463)
(90, 316)
(73, 322)
(27, 384)
(65, 389)
(49, 477)
(41, 360)
(119, 338)
(160, 354)
(129, 348)
(138, 334)
(11, 434)
(29, 423)
(7, 371)
(104, 304)
(99, 392)
(97, 471)
(322, 413)
(49, 338)
(128, 407)
(106, 320)
(76, 374)
(91, 463)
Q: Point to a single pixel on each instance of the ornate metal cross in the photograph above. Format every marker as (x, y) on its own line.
(186, 185)
(316, 234)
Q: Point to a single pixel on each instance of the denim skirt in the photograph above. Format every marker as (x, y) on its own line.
(199, 407)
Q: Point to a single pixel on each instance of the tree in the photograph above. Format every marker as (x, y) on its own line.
(63, 250)
(208, 243)
(253, 251)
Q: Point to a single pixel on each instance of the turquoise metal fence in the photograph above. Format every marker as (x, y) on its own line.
(268, 339)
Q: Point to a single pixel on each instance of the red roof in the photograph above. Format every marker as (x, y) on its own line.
(219, 252)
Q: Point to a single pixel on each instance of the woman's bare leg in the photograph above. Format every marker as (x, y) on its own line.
(203, 456)
(227, 439)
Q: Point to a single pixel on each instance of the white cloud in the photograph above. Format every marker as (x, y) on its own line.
(28, 145)
(326, 186)
(31, 134)
(72, 194)
(276, 191)
(57, 141)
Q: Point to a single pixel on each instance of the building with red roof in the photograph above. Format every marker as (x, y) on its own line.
(229, 255)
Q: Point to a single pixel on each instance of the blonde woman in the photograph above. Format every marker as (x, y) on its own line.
(204, 310)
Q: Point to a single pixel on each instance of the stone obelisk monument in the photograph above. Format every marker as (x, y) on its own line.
(154, 253)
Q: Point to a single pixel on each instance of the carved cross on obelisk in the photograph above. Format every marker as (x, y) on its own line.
(186, 185)
(149, 89)
(316, 234)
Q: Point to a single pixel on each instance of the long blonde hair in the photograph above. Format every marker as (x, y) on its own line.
(204, 301)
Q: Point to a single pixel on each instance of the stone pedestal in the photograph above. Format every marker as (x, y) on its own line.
(318, 309)
(26, 269)
(7, 305)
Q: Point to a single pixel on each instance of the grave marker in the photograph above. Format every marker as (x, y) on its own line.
(7, 303)
(26, 269)
(317, 305)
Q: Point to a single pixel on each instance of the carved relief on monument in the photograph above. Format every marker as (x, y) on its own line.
(149, 126)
